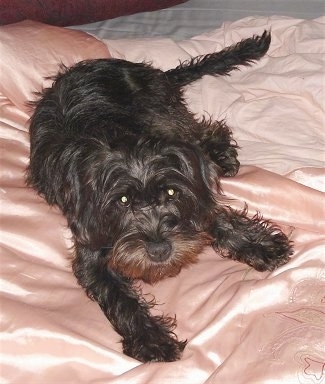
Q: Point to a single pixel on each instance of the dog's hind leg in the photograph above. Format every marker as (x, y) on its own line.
(221, 63)
(215, 139)
(144, 337)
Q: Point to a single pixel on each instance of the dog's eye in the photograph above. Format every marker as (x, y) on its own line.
(124, 200)
(171, 192)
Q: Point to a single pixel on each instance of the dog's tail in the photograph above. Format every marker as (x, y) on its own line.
(221, 63)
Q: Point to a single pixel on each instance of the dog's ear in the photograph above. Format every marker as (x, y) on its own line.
(78, 196)
(209, 171)
(195, 166)
(84, 222)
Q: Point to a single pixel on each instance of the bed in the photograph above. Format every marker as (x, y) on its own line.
(242, 326)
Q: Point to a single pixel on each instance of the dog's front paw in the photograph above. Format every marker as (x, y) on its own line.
(154, 348)
(270, 253)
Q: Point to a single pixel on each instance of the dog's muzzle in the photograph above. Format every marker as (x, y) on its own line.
(159, 251)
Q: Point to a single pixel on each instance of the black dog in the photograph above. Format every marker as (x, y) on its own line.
(115, 148)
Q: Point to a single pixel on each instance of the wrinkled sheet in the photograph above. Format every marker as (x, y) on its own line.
(242, 326)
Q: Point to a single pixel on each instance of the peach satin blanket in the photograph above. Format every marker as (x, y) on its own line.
(242, 326)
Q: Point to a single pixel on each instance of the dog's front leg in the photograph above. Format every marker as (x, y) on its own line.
(144, 337)
(253, 241)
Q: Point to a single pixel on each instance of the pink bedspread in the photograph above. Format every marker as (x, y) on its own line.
(242, 326)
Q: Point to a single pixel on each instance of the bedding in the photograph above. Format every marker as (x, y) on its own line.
(61, 12)
(194, 17)
(242, 326)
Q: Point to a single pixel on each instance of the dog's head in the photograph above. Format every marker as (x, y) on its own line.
(149, 204)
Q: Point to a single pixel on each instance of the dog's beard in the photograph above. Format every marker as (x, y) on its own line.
(130, 258)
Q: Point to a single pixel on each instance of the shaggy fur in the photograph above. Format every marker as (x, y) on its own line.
(114, 146)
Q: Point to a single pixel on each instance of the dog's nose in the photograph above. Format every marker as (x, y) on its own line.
(159, 251)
